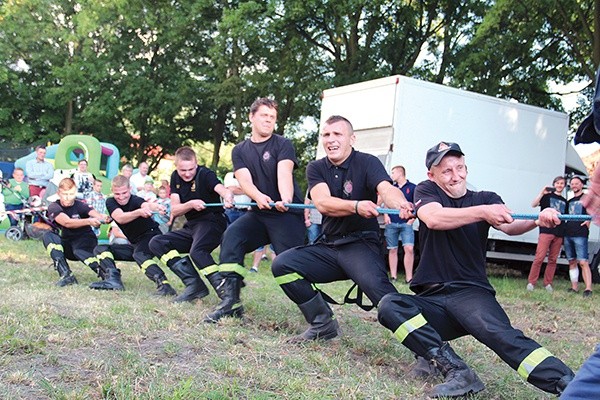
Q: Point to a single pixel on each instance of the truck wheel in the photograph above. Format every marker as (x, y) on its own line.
(594, 265)
(14, 233)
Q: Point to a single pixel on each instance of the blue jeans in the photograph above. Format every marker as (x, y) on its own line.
(313, 231)
(399, 231)
(576, 248)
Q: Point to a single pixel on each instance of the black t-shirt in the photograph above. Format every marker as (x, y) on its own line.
(261, 159)
(355, 179)
(574, 228)
(78, 210)
(559, 203)
(135, 229)
(202, 187)
(455, 255)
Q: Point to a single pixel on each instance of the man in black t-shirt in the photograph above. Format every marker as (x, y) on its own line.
(454, 297)
(343, 186)
(77, 240)
(193, 186)
(133, 215)
(576, 240)
(263, 166)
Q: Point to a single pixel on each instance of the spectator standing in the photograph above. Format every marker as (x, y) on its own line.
(163, 220)
(239, 197)
(550, 239)
(397, 228)
(39, 172)
(312, 220)
(138, 180)
(148, 193)
(84, 180)
(127, 172)
(576, 240)
(97, 200)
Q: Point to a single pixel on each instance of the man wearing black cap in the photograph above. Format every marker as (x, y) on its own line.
(454, 297)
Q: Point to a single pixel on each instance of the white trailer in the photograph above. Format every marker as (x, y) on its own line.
(512, 149)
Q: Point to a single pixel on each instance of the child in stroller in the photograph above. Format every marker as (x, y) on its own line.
(31, 220)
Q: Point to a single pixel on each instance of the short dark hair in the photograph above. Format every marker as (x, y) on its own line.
(263, 101)
(337, 118)
(558, 178)
(40, 146)
(185, 153)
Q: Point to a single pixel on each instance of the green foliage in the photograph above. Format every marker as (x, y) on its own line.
(152, 76)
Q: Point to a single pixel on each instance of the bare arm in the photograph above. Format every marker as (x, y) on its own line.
(445, 218)
(178, 208)
(245, 180)
(336, 207)
(536, 201)
(145, 211)
(285, 182)
(225, 194)
(394, 198)
(95, 219)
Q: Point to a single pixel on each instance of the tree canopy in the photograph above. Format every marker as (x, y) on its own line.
(152, 76)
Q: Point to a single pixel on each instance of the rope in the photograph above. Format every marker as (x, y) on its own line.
(381, 210)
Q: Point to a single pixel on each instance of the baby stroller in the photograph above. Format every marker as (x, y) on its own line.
(31, 220)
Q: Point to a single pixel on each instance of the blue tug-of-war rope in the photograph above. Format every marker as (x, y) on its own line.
(562, 217)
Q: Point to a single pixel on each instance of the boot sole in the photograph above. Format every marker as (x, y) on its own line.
(190, 298)
(471, 389)
(235, 313)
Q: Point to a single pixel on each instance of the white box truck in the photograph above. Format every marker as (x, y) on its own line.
(512, 149)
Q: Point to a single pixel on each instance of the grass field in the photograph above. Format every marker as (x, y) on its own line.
(75, 343)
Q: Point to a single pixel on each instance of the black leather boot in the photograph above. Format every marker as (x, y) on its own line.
(323, 324)
(459, 379)
(194, 286)
(230, 305)
(163, 288)
(216, 281)
(112, 281)
(66, 278)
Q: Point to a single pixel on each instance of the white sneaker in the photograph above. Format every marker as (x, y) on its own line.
(549, 288)
(253, 269)
(530, 287)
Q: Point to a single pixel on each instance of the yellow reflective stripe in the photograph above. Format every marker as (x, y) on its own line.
(54, 246)
(146, 264)
(409, 326)
(211, 269)
(105, 254)
(90, 260)
(288, 278)
(233, 267)
(169, 256)
(532, 360)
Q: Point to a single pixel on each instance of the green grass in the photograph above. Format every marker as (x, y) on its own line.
(75, 343)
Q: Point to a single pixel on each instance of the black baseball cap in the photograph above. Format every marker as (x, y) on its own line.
(437, 152)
